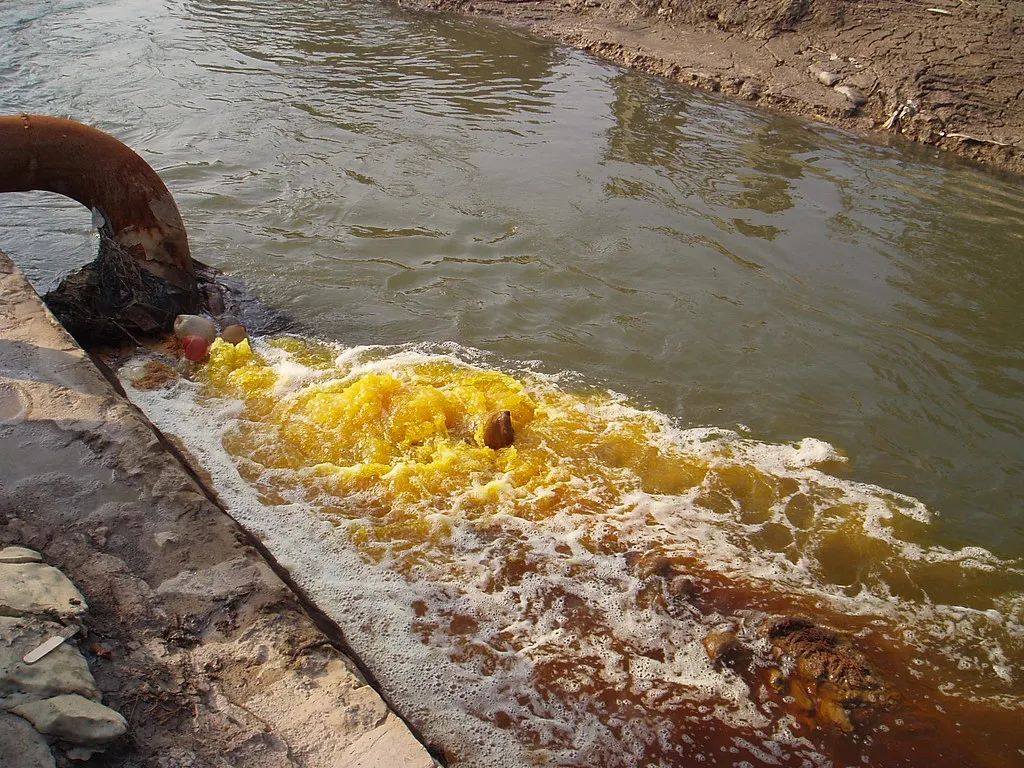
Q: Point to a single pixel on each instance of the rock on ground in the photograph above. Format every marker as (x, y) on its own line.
(21, 746)
(15, 555)
(73, 718)
(28, 589)
(63, 670)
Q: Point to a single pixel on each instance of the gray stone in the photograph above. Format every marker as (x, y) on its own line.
(195, 325)
(63, 670)
(163, 538)
(828, 79)
(17, 555)
(854, 95)
(73, 718)
(21, 746)
(80, 754)
(827, 76)
(34, 588)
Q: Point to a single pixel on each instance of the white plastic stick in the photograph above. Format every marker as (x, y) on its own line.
(48, 645)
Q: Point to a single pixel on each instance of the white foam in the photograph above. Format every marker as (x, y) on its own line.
(525, 625)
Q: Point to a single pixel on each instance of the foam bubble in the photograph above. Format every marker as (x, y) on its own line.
(502, 613)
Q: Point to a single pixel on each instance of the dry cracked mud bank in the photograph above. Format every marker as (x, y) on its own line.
(948, 73)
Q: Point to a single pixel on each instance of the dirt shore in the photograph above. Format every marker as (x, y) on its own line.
(948, 73)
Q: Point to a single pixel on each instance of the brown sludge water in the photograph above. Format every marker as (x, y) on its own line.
(818, 341)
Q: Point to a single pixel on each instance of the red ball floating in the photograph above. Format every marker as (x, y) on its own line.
(196, 348)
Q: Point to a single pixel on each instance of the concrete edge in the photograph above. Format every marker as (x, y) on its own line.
(189, 616)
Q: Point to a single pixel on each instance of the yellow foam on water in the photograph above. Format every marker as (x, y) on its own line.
(594, 498)
(411, 438)
(399, 453)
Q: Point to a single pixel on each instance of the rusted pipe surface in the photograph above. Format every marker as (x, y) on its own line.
(57, 155)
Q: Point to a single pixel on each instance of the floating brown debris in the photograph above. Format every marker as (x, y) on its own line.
(154, 375)
(828, 676)
(720, 644)
(498, 432)
(234, 334)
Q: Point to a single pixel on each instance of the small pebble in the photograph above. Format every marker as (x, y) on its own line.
(194, 325)
(855, 96)
(828, 79)
(234, 334)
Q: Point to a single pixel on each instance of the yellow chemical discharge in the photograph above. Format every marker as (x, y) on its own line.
(580, 545)
(398, 454)
(410, 440)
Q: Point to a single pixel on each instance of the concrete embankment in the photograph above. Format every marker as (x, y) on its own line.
(186, 629)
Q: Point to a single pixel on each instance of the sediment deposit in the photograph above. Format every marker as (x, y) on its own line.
(945, 74)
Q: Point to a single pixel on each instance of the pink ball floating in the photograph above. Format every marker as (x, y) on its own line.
(195, 347)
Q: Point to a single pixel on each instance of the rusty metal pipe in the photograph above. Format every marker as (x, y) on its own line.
(57, 155)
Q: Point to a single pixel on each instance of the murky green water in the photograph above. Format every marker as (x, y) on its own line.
(393, 178)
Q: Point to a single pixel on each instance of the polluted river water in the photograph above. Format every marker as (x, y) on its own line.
(756, 368)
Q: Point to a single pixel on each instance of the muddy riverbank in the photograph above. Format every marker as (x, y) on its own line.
(945, 74)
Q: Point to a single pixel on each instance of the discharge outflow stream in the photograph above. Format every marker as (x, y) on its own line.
(506, 599)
